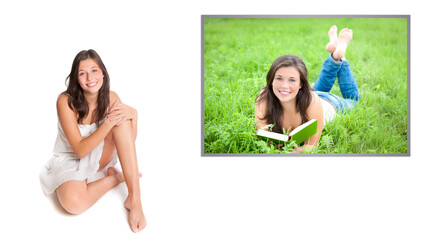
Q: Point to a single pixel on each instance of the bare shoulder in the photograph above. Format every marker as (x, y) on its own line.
(62, 102)
(315, 101)
(315, 109)
(113, 97)
(63, 97)
(67, 116)
(260, 111)
(260, 107)
(261, 102)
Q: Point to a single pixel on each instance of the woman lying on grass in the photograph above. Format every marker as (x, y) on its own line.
(94, 128)
(288, 100)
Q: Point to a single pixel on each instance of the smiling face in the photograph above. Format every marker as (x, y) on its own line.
(90, 76)
(286, 84)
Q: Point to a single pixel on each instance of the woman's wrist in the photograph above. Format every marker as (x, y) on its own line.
(108, 123)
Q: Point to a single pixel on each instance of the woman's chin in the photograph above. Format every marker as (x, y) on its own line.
(286, 98)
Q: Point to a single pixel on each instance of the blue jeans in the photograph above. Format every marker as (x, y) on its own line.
(330, 71)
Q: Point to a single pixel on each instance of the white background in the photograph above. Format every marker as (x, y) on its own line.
(152, 51)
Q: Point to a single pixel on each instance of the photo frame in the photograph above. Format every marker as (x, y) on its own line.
(237, 51)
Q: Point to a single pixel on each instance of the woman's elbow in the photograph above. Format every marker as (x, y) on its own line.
(80, 155)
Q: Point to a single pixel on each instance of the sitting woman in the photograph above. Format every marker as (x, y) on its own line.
(288, 100)
(94, 129)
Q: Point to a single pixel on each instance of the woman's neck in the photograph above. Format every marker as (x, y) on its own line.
(289, 107)
(92, 99)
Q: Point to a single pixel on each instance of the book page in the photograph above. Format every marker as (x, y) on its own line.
(273, 135)
(302, 126)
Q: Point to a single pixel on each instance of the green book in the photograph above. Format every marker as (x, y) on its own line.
(299, 134)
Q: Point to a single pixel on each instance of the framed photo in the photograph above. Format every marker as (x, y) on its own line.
(238, 51)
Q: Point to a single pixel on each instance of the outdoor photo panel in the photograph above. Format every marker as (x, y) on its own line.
(237, 52)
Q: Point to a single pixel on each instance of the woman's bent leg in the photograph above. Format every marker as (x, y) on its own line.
(77, 196)
(348, 87)
(126, 151)
(327, 76)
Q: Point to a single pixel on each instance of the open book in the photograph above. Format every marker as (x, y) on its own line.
(299, 134)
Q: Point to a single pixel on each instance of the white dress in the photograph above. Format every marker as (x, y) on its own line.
(65, 165)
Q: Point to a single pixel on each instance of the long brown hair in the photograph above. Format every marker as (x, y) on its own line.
(76, 99)
(274, 111)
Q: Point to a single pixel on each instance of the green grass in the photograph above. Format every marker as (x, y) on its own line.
(239, 52)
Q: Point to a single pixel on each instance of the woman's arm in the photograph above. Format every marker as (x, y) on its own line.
(122, 112)
(68, 120)
(260, 109)
(314, 111)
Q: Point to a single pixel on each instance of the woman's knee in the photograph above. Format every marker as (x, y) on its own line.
(73, 201)
(123, 135)
(126, 126)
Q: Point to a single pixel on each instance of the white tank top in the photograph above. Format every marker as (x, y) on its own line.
(329, 110)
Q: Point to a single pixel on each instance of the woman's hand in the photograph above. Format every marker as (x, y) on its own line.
(119, 113)
(297, 149)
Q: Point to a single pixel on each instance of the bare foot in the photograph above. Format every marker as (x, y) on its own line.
(136, 217)
(333, 39)
(344, 39)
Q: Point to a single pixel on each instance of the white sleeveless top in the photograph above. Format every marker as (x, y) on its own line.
(65, 165)
(329, 111)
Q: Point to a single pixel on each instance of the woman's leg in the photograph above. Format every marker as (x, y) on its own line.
(108, 151)
(347, 83)
(125, 145)
(330, 67)
(348, 86)
(327, 75)
(343, 40)
(77, 196)
(336, 66)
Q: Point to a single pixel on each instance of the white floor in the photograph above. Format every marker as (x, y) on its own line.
(104, 220)
(108, 212)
